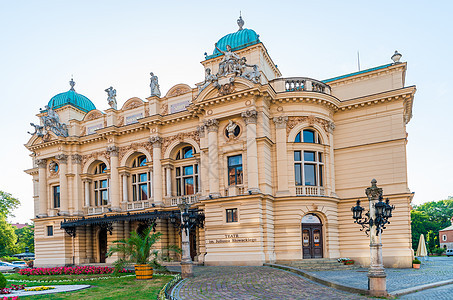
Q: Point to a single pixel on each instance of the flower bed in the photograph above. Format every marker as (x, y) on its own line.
(12, 298)
(70, 271)
(39, 288)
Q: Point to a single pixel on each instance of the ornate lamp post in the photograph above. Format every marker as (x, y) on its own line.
(374, 223)
(188, 220)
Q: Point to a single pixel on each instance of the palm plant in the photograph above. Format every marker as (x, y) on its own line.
(136, 249)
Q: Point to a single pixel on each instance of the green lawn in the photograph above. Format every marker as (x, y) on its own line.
(115, 288)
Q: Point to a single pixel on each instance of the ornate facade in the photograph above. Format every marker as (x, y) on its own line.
(274, 164)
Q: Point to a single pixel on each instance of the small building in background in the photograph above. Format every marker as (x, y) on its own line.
(446, 237)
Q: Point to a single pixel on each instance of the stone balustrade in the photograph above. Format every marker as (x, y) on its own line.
(297, 84)
(174, 201)
(310, 191)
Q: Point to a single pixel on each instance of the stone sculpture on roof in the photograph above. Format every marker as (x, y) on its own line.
(154, 85)
(111, 99)
(50, 122)
(208, 79)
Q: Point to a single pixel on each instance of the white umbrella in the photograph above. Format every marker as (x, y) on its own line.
(421, 249)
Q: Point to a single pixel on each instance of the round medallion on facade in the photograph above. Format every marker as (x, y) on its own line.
(53, 167)
(232, 130)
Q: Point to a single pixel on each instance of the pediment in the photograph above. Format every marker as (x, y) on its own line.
(178, 90)
(93, 115)
(226, 88)
(132, 103)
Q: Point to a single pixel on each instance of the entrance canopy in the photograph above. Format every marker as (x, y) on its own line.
(106, 221)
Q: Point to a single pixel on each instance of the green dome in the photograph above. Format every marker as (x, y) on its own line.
(237, 40)
(72, 98)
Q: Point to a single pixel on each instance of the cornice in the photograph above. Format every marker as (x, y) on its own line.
(326, 100)
(33, 171)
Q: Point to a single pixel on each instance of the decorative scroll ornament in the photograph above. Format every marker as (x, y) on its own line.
(112, 150)
(280, 122)
(111, 99)
(154, 85)
(156, 141)
(51, 122)
(76, 158)
(250, 116)
(212, 125)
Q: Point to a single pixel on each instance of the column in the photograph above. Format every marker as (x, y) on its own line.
(157, 169)
(125, 187)
(168, 169)
(213, 170)
(250, 119)
(204, 163)
(114, 188)
(76, 160)
(63, 170)
(42, 177)
(282, 155)
(86, 183)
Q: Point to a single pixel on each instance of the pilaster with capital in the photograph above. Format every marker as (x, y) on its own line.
(156, 141)
(212, 127)
(114, 177)
(125, 176)
(42, 177)
(64, 191)
(250, 118)
(282, 155)
(331, 169)
(76, 161)
(86, 183)
(204, 161)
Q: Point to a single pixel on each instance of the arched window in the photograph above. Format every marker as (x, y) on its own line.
(308, 136)
(186, 172)
(101, 185)
(141, 179)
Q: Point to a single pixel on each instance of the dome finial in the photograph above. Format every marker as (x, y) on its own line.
(72, 83)
(240, 21)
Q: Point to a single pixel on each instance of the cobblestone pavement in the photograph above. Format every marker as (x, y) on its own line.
(440, 293)
(241, 283)
(434, 270)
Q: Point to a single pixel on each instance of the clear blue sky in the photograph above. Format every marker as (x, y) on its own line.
(118, 43)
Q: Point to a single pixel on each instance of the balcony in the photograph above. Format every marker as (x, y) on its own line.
(235, 190)
(98, 210)
(174, 201)
(296, 84)
(310, 191)
(136, 205)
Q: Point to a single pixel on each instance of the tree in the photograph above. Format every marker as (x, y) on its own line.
(7, 204)
(430, 216)
(26, 238)
(8, 238)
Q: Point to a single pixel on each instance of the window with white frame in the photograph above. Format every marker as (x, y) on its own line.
(101, 185)
(141, 179)
(308, 168)
(444, 237)
(186, 172)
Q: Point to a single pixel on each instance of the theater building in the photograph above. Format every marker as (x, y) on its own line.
(273, 164)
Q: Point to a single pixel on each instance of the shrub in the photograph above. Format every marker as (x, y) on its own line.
(2, 281)
(9, 258)
(416, 261)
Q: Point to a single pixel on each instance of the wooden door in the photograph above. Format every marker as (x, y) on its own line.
(193, 244)
(102, 245)
(312, 241)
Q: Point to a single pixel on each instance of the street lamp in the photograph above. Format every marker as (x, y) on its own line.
(374, 223)
(187, 221)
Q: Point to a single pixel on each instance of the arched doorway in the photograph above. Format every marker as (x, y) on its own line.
(102, 245)
(312, 246)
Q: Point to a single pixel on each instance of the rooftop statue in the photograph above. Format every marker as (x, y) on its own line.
(208, 79)
(50, 122)
(111, 92)
(229, 63)
(154, 85)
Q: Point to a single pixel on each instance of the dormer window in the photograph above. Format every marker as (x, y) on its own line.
(308, 136)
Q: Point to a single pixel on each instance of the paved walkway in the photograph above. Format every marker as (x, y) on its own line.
(439, 293)
(435, 270)
(247, 283)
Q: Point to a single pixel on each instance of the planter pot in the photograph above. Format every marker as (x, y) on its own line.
(349, 262)
(143, 272)
(416, 266)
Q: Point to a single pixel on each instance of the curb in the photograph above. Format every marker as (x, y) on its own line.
(319, 280)
(420, 288)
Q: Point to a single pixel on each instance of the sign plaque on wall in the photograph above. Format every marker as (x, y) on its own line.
(231, 238)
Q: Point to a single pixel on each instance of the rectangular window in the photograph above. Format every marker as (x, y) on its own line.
(231, 215)
(49, 230)
(310, 175)
(308, 168)
(444, 237)
(187, 179)
(101, 192)
(235, 172)
(56, 196)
